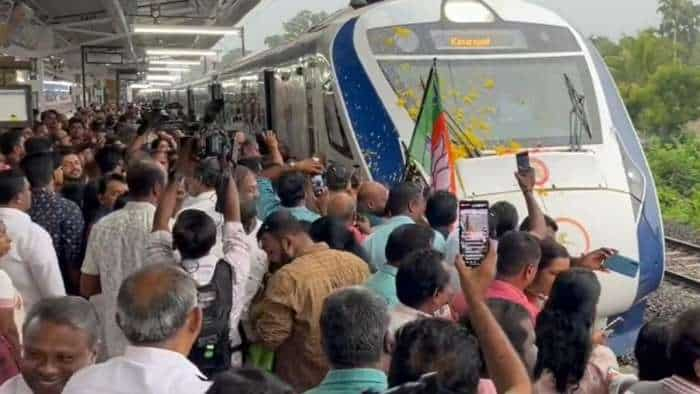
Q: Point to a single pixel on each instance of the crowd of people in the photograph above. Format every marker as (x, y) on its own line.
(129, 264)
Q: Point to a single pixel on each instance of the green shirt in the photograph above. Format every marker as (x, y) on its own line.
(303, 214)
(351, 381)
(383, 282)
(375, 245)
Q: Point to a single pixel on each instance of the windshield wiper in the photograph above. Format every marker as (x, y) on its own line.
(578, 119)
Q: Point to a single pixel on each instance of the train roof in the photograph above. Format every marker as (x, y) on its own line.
(377, 13)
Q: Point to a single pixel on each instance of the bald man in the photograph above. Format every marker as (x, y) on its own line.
(342, 206)
(371, 201)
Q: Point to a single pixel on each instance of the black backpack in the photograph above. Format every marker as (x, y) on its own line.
(211, 353)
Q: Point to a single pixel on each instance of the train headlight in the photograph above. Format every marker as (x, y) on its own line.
(467, 11)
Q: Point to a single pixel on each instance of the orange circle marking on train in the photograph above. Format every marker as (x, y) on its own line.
(541, 171)
(578, 226)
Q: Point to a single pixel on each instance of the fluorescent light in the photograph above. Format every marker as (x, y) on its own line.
(162, 77)
(170, 69)
(59, 83)
(165, 84)
(180, 52)
(150, 90)
(179, 29)
(176, 62)
(139, 86)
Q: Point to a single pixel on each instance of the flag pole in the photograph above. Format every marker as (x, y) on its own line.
(432, 74)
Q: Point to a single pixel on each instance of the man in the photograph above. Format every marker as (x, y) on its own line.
(59, 216)
(201, 189)
(109, 189)
(422, 287)
(31, 263)
(337, 179)
(158, 313)
(50, 119)
(353, 328)
(72, 168)
(403, 241)
(116, 246)
(371, 201)
(12, 147)
(291, 189)
(341, 206)
(519, 256)
(441, 212)
(406, 205)
(286, 319)
(684, 354)
(77, 131)
(60, 338)
(248, 191)
(194, 237)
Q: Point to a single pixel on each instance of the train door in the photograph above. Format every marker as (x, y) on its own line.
(290, 111)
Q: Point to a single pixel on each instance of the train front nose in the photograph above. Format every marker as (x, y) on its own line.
(589, 212)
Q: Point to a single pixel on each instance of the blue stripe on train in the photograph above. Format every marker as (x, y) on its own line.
(375, 131)
(650, 229)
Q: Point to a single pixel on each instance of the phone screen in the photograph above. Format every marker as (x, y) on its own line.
(473, 231)
(622, 265)
(523, 161)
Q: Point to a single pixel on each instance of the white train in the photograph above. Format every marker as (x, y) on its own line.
(351, 89)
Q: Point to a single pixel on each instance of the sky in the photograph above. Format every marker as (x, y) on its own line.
(612, 18)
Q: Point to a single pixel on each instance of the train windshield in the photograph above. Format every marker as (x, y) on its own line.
(502, 101)
(501, 83)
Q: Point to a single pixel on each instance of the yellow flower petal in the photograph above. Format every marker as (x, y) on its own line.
(489, 84)
(402, 32)
(401, 103)
(413, 112)
(390, 42)
(542, 192)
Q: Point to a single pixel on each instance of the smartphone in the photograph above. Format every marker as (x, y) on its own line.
(523, 161)
(622, 265)
(473, 231)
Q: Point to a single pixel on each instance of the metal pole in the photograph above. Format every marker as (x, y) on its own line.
(243, 41)
(119, 90)
(82, 64)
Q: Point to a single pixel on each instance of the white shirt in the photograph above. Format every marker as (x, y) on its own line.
(116, 248)
(206, 202)
(401, 315)
(11, 299)
(15, 385)
(236, 252)
(140, 370)
(31, 262)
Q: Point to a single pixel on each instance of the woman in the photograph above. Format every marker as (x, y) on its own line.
(335, 233)
(554, 261)
(568, 360)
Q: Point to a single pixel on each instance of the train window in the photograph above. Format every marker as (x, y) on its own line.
(337, 137)
(504, 100)
(472, 38)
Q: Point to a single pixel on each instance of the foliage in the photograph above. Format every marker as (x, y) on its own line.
(676, 168)
(295, 27)
(680, 21)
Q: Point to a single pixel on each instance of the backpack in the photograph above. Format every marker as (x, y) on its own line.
(211, 353)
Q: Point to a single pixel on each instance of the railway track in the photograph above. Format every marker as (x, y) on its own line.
(683, 263)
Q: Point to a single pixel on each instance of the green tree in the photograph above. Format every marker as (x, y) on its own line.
(637, 58)
(667, 102)
(680, 20)
(295, 27)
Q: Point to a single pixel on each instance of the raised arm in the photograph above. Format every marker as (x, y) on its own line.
(166, 205)
(526, 180)
(504, 366)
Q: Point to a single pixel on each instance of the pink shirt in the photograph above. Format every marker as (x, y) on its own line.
(499, 290)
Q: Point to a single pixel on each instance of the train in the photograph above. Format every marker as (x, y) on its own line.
(514, 76)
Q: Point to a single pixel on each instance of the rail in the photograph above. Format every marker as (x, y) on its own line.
(691, 249)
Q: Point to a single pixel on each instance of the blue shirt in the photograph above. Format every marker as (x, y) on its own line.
(383, 282)
(439, 242)
(351, 381)
(303, 214)
(268, 201)
(375, 245)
